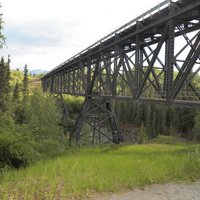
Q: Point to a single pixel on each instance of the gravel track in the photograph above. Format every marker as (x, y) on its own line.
(170, 191)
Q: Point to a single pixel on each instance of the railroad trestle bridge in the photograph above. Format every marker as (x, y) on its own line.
(153, 58)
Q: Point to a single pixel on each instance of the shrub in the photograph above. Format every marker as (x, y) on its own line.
(163, 139)
(109, 147)
(14, 153)
(17, 147)
(39, 136)
(43, 118)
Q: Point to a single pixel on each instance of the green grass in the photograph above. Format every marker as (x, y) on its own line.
(83, 172)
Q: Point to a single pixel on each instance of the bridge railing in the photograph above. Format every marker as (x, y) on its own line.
(126, 26)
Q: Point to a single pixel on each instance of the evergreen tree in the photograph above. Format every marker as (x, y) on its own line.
(25, 84)
(186, 121)
(16, 94)
(154, 132)
(162, 120)
(148, 121)
(172, 119)
(4, 84)
(20, 117)
(18, 107)
(139, 114)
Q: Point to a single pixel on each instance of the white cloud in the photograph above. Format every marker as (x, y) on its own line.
(44, 33)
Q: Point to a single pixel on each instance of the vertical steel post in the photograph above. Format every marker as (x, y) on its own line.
(138, 60)
(169, 57)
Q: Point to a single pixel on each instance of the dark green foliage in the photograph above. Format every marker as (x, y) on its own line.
(185, 121)
(17, 106)
(139, 119)
(162, 139)
(15, 152)
(162, 121)
(30, 129)
(40, 108)
(157, 119)
(43, 118)
(149, 124)
(19, 113)
(4, 84)
(25, 84)
(154, 132)
(16, 144)
(39, 136)
(19, 110)
(16, 94)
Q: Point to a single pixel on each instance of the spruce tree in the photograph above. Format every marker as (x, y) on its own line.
(163, 128)
(154, 132)
(16, 94)
(25, 84)
(148, 120)
(139, 113)
(4, 84)
(7, 71)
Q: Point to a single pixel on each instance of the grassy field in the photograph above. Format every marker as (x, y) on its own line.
(82, 172)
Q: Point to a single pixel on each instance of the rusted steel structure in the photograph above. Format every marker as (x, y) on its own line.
(155, 57)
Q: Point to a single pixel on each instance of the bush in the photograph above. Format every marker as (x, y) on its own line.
(17, 146)
(14, 153)
(162, 139)
(38, 137)
(109, 147)
(43, 118)
(50, 148)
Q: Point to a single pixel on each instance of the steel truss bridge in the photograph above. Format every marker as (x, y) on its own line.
(155, 57)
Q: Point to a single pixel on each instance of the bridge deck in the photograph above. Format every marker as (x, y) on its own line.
(127, 31)
(131, 57)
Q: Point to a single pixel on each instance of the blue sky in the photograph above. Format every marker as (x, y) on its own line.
(45, 33)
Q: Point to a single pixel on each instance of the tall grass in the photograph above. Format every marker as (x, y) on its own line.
(82, 172)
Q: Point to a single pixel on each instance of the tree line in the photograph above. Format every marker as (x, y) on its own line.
(160, 119)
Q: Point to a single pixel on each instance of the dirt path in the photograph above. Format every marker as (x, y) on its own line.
(170, 191)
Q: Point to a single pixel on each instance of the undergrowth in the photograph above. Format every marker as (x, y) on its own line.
(82, 172)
